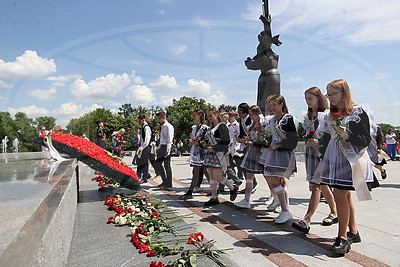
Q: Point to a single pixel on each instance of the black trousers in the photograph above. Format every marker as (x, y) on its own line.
(163, 166)
(143, 164)
(197, 177)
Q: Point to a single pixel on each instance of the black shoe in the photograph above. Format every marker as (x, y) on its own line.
(166, 187)
(211, 202)
(237, 182)
(353, 238)
(233, 193)
(341, 246)
(383, 174)
(186, 196)
(301, 226)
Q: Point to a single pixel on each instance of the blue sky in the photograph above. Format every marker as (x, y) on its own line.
(66, 58)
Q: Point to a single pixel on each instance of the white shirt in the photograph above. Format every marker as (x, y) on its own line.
(234, 128)
(144, 143)
(390, 139)
(166, 135)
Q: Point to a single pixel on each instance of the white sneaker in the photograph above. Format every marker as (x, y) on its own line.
(243, 204)
(275, 203)
(269, 200)
(283, 217)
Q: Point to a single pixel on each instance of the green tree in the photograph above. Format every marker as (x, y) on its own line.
(25, 131)
(7, 125)
(226, 108)
(385, 127)
(48, 122)
(179, 114)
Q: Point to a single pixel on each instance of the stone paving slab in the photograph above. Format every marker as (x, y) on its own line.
(256, 240)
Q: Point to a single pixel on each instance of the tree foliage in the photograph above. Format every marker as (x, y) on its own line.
(179, 114)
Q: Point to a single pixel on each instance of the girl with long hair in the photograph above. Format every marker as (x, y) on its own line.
(280, 160)
(216, 159)
(197, 152)
(318, 138)
(250, 161)
(346, 166)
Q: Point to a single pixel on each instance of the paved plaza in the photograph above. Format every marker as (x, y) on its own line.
(255, 238)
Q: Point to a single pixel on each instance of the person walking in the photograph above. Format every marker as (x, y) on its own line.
(143, 152)
(250, 161)
(391, 142)
(163, 160)
(317, 140)
(280, 161)
(197, 153)
(216, 159)
(345, 165)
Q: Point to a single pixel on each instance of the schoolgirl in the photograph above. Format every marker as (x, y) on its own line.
(254, 141)
(345, 165)
(280, 160)
(197, 152)
(317, 141)
(216, 159)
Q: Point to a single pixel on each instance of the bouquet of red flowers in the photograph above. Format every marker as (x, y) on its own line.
(309, 135)
(338, 122)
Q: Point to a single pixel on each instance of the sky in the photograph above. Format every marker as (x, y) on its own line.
(65, 58)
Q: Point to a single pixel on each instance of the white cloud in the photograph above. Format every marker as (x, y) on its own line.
(198, 87)
(140, 95)
(44, 94)
(63, 80)
(359, 22)
(205, 23)
(217, 99)
(138, 80)
(29, 111)
(165, 82)
(292, 80)
(4, 100)
(5, 85)
(179, 49)
(68, 109)
(213, 56)
(100, 89)
(160, 11)
(166, 100)
(72, 110)
(27, 66)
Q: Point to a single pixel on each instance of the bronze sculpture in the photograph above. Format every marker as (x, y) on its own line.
(266, 61)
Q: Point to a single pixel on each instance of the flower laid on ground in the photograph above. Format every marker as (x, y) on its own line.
(148, 219)
(96, 158)
(202, 248)
(104, 181)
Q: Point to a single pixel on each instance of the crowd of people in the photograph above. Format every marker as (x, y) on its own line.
(343, 143)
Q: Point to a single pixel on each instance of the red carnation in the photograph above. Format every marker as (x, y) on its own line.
(154, 214)
(199, 236)
(139, 230)
(312, 132)
(110, 219)
(156, 264)
(151, 253)
(337, 115)
(143, 248)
